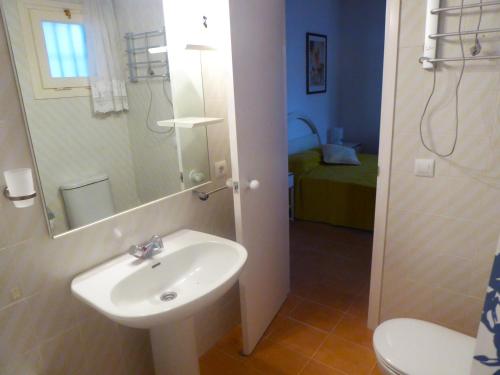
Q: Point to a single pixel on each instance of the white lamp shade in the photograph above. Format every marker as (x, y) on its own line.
(20, 183)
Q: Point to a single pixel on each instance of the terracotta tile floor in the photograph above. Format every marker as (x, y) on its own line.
(320, 329)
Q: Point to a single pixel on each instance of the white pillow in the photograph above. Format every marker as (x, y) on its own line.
(337, 154)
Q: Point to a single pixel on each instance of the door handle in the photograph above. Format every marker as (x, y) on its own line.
(254, 184)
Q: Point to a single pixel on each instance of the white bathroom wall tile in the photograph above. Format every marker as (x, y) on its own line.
(63, 354)
(55, 311)
(449, 309)
(490, 203)
(418, 194)
(464, 198)
(446, 246)
(455, 275)
(399, 266)
(421, 268)
(28, 363)
(410, 300)
(413, 88)
(8, 275)
(22, 224)
(136, 349)
(3, 232)
(405, 145)
(400, 228)
(19, 270)
(101, 346)
(473, 309)
(481, 269)
(478, 83)
(17, 332)
(412, 26)
(13, 138)
(473, 153)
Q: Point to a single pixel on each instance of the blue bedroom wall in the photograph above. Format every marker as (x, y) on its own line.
(355, 30)
(361, 51)
(316, 16)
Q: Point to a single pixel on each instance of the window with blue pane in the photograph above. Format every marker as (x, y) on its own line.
(66, 49)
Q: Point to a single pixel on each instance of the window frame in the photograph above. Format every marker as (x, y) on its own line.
(44, 85)
(37, 17)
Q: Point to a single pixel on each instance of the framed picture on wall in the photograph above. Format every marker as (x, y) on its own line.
(316, 47)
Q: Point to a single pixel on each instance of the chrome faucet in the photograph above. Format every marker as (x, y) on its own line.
(147, 249)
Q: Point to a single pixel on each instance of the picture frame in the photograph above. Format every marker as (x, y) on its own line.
(316, 63)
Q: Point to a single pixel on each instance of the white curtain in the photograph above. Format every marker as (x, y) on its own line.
(106, 76)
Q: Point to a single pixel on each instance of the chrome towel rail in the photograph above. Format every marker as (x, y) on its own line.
(204, 195)
(153, 76)
(465, 32)
(466, 6)
(466, 58)
(144, 34)
(152, 62)
(432, 36)
(140, 64)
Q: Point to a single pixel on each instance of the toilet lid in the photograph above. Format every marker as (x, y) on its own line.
(415, 347)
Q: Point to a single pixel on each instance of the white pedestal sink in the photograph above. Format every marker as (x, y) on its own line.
(163, 293)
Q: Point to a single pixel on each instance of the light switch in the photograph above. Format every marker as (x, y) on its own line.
(424, 167)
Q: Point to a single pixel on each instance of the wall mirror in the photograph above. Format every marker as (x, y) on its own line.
(97, 83)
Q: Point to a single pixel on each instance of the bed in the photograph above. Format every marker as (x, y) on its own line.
(341, 195)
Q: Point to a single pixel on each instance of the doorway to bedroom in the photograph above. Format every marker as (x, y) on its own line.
(335, 53)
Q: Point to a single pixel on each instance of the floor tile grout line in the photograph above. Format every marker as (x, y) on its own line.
(322, 343)
(240, 360)
(322, 304)
(309, 360)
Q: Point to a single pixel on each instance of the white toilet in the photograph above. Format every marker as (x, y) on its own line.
(87, 200)
(416, 347)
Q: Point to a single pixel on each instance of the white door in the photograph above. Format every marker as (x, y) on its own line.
(257, 123)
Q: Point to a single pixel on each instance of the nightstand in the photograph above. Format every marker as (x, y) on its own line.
(357, 146)
(291, 196)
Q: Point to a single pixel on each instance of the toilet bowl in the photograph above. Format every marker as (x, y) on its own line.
(416, 347)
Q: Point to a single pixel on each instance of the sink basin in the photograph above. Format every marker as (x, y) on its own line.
(162, 293)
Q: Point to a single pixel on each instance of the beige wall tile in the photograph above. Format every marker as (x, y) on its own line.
(63, 354)
(136, 350)
(442, 231)
(17, 333)
(101, 346)
(29, 363)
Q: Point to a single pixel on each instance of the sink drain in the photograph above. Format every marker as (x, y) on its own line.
(168, 296)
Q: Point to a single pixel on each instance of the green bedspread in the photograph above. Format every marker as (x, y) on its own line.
(336, 194)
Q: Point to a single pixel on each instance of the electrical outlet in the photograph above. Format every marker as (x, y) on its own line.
(220, 169)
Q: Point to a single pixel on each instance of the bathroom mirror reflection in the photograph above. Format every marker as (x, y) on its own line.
(95, 78)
